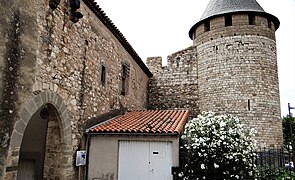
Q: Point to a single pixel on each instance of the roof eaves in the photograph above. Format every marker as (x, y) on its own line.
(264, 14)
(135, 133)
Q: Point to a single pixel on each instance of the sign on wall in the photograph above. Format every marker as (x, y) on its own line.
(81, 158)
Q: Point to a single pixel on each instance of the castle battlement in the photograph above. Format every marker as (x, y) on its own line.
(230, 69)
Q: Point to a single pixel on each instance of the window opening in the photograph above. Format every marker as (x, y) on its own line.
(251, 18)
(228, 20)
(177, 61)
(125, 79)
(103, 74)
(269, 23)
(207, 25)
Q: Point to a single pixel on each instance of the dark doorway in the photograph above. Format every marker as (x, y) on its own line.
(32, 151)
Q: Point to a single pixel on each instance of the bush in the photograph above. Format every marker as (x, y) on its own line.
(217, 147)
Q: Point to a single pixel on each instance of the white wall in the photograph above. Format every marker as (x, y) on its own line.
(104, 150)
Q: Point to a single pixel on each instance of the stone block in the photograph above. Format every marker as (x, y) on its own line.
(25, 115)
(16, 140)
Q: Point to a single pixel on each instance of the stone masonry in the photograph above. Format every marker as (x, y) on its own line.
(73, 69)
(229, 69)
(59, 77)
(175, 85)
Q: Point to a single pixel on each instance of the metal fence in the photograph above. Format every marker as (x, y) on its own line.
(274, 163)
(270, 164)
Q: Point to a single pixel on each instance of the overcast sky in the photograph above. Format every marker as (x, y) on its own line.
(160, 28)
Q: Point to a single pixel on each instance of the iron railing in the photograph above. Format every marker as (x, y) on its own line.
(270, 164)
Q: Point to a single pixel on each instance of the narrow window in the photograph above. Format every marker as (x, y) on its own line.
(177, 61)
(207, 25)
(251, 18)
(249, 106)
(125, 79)
(228, 20)
(103, 75)
(269, 23)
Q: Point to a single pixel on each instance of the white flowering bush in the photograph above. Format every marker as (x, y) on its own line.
(217, 146)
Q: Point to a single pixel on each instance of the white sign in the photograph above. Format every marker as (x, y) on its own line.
(81, 158)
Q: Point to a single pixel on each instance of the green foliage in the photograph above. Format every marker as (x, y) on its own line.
(288, 128)
(270, 173)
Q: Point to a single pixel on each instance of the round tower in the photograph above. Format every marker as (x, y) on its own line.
(237, 65)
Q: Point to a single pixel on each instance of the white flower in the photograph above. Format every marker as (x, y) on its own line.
(203, 136)
(222, 124)
(216, 166)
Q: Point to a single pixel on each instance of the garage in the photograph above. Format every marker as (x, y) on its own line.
(137, 145)
(150, 160)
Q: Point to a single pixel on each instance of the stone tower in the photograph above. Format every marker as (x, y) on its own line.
(232, 65)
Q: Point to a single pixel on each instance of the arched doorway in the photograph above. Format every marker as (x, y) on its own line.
(42, 139)
(33, 147)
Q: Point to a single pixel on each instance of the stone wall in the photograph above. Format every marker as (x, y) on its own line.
(229, 69)
(17, 61)
(174, 86)
(70, 62)
(48, 59)
(238, 75)
(240, 26)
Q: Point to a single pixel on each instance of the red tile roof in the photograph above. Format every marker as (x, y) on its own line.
(145, 121)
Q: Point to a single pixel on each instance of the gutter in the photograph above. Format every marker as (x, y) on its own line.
(131, 134)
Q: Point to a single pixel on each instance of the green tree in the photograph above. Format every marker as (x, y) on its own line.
(289, 129)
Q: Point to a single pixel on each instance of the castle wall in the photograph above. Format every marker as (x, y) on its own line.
(238, 76)
(17, 60)
(70, 61)
(232, 70)
(174, 86)
(237, 73)
(240, 26)
(65, 60)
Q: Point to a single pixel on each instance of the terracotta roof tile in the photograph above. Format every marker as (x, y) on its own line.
(145, 121)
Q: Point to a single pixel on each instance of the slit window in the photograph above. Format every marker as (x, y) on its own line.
(269, 23)
(249, 105)
(103, 75)
(207, 25)
(125, 79)
(228, 20)
(251, 18)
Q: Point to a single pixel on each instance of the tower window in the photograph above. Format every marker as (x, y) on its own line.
(103, 75)
(251, 18)
(269, 23)
(207, 25)
(125, 79)
(228, 20)
(177, 61)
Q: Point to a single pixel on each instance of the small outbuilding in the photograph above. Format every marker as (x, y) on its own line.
(139, 145)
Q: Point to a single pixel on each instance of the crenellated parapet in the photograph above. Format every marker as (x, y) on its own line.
(175, 86)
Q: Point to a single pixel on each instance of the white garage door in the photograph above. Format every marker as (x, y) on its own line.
(140, 160)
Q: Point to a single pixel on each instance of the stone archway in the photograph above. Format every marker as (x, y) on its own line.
(58, 123)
